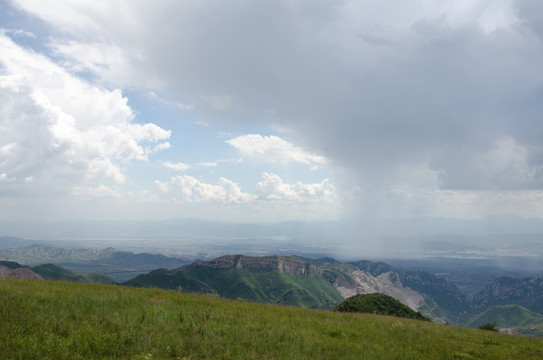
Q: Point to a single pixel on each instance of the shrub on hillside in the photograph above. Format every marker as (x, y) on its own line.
(489, 327)
(379, 304)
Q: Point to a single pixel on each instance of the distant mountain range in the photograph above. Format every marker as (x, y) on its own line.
(120, 265)
(489, 237)
(194, 228)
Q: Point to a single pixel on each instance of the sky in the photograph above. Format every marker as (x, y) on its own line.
(267, 111)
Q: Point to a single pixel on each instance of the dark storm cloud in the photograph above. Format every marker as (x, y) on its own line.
(372, 86)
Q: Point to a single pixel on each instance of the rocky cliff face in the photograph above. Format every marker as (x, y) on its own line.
(445, 294)
(19, 273)
(283, 264)
(387, 283)
(506, 290)
(373, 268)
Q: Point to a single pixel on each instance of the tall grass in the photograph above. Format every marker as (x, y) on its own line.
(60, 320)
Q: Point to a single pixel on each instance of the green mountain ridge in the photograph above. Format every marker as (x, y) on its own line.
(11, 264)
(263, 285)
(318, 283)
(54, 272)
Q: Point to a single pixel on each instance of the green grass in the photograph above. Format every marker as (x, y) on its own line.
(511, 316)
(506, 316)
(61, 320)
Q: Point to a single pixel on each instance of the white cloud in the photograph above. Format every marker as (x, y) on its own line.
(273, 188)
(274, 149)
(189, 189)
(507, 163)
(62, 132)
(4, 178)
(207, 164)
(157, 148)
(186, 188)
(498, 15)
(179, 166)
(202, 123)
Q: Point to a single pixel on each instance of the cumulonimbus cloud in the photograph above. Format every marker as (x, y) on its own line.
(61, 132)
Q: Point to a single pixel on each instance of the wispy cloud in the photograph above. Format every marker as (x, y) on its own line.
(179, 166)
(174, 104)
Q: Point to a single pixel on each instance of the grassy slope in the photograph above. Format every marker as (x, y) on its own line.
(61, 320)
(511, 316)
(536, 305)
(506, 316)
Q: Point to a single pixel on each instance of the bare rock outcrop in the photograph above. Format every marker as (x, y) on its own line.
(283, 264)
(18, 273)
(387, 283)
